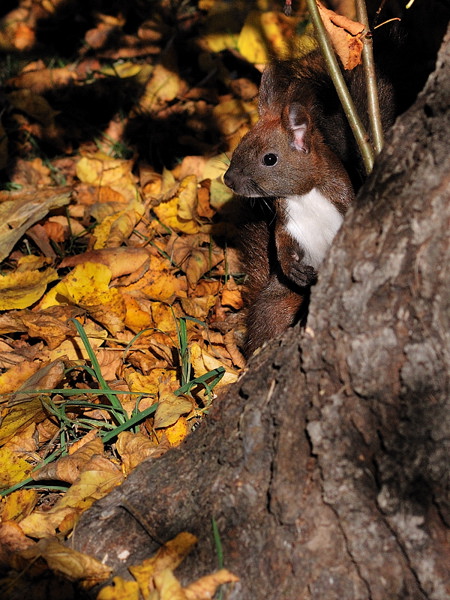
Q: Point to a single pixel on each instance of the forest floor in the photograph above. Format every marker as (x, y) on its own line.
(120, 288)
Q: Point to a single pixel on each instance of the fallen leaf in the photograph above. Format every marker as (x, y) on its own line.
(346, 36)
(22, 289)
(119, 590)
(67, 468)
(98, 477)
(170, 408)
(33, 105)
(168, 556)
(20, 210)
(168, 586)
(164, 86)
(205, 588)
(134, 448)
(120, 261)
(12, 540)
(17, 505)
(26, 405)
(203, 362)
(61, 559)
(87, 286)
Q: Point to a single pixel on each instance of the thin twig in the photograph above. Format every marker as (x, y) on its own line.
(341, 88)
(376, 128)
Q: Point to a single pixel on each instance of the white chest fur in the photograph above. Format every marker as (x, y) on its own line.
(313, 221)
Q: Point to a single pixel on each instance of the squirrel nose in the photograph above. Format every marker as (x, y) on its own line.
(228, 178)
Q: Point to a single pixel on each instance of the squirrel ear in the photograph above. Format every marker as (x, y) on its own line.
(299, 124)
(275, 81)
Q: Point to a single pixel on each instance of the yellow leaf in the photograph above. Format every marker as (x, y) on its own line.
(116, 228)
(266, 34)
(148, 383)
(168, 586)
(88, 286)
(170, 408)
(187, 198)
(167, 213)
(168, 556)
(16, 375)
(119, 590)
(203, 362)
(99, 169)
(177, 432)
(74, 565)
(98, 477)
(122, 70)
(164, 86)
(18, 505)
(24, 288)
(164, 317)
(12, 468)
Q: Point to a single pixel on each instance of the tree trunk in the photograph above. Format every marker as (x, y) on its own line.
(325, 466)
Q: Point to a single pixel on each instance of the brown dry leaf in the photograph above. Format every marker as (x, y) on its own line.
(98, 477)
(198, 307)
(4, 154)
(51, 324)
(12, 540)
(170, 408)
(120, 261)
(231, 295)
(117, 228)
(20, 210)
(28, 407)
(74, 565)
(206, 587)
(346, 36)
(68, 468)
(16, 375)
(168, 556)
(203, 362)
(164, 86)
(194, 256)
(43, 79)
(34, 105)
(134, 448)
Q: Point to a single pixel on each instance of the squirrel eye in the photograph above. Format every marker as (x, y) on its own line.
(270, 160)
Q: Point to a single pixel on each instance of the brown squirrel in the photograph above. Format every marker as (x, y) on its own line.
(290, 160)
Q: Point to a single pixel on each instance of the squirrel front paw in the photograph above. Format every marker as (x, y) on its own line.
(302, 275)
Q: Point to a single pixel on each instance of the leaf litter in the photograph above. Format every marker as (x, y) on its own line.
(120, 288)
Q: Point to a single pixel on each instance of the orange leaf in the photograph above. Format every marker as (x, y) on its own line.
(346, 36)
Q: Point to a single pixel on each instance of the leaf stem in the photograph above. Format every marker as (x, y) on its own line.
(341, 87)
(376, 128)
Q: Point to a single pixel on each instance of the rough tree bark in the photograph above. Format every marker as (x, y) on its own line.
(325, 466)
